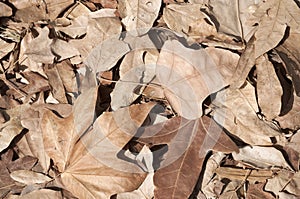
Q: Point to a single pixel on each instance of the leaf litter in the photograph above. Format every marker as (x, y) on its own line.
(149, 99)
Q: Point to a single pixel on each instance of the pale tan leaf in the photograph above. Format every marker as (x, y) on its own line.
(98, 30)
(253, 176)
(29, 177)
(5, 10)
(84, 109)
(136, 70)
(5, 48)
(187, 76)
(39, 48)
(269, 90)
(31, 11)
(273, 18)
(291, 120)
(289, 52)
(94, 169)
(63, 49)
(138, 16)
(190, 21)
(235, 110)
(11, 128)
(261, 157)
(284, 181)
(58, 137)
(226, 16)
(26, 60)
(225, 60)
(77, 28)
(245, 64)
(104, 56)
(41, 193)
(55, 82)
(146, 190)
(209, 184)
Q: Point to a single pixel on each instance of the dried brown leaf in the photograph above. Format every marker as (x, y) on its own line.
(138, 16)
(269, 90)
(29, 177)
(256, 191)
(188, 142)
(284, 181)
(39, 48)
(99, 29)
(261, 157)
(5, 48)
(41, 193)
(5, 10)
(235, 110)
(187, 76)
(55, 82)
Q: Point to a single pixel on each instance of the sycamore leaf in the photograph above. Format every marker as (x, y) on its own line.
(268, 87)
(139, 15)
(188, 142)
(187, 76)
(79, 155)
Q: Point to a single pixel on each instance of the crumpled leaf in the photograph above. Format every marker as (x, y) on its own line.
(137, 69)
(289, 52)
(284, 181)
(235, 110)
(12, 127)
(138, 16)
(29, 177)
(190, 21)
(187, 76)
(100, 28)
(77, 28)
(5, 48)
(188, 142)
(261, 157)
